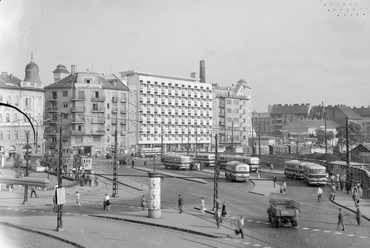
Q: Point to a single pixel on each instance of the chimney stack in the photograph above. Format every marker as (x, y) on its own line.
(73, 69)
(202, 71)
(193, 75)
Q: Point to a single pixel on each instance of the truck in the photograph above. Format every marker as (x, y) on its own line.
(283, 210)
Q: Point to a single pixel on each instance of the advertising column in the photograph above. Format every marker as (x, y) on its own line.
(154, 198)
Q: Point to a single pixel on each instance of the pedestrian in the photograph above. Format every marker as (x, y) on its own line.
(223, 211)
(355, 196)
(217, 217)
(81, 183)
(201, 165)
(54, 203)
(78, 203)
(180, 202)
(275, 181)
(106, 204)
(341, 183)
(340, 219)
(268, 164)
(33, 191)
(332, 194)
(217, 205)
(143, 202)
(96, 181)
(358, 215)
(132, 163)
(360, 192)
(144, 163)
(271, 167)
(284, 188)
(202, 206)
(319, 193)
(240, 226)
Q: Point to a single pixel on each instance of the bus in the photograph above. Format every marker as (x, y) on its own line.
(294, 169)
(253, 162)
(176, 162)
(149, 152)
(314, 173)
(236, 171)
(206, 159)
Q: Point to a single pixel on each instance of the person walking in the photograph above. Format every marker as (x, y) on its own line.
(217, 205)
(271, 167)
(275, 181)
(217, 217)
(202, 206)
(132, 163)
(144, 163)
(180, 203)
(33, 191)
(332, 194)
(240, 226)
(143, 202)
(223, 212)
(55, 203)
(358, 215)
(319, 193)
(284, 188)
(341, 183)
(340, 219)
(78, 203)
(106, 204)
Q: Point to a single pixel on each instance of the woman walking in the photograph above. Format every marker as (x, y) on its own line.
(217, 217)
(202, 206)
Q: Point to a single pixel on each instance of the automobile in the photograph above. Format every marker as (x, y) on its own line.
(108, 156)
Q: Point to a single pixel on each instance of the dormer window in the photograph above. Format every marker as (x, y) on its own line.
(88, 80)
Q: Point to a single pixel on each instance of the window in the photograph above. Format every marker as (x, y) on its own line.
(228, 110)
(1, 98)
(96, 94)
(81, 95)
(27, 102)
(65, 140)
(15, 117)
(1, 118)
(65, 116)
(7, 117)
(15, 135)
(53, 139)
(8, 135)
(87, 80)
(65, 105)
(96, 139)
(236, 111)
(228, 101)
(54, 95)
(107, 105)
(229, 120)
(1, 135)
(78, 139)
(236, 102)
(65, 93)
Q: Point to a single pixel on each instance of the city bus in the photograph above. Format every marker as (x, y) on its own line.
(149, 152)
(206, 159)
(177, 162)
(236, 171)
(253, 162)
(313, 173)
(294, 169)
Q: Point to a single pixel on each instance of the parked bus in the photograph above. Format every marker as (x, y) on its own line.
(253, 162)
(314, 173)
(176, 162)
(149, 152)
(236, 171)
(294, 169)
(206, 159)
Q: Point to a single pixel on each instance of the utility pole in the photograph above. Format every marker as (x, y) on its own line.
(259, 140)
(161, 142)
(215, 176)
(232, 136)
(347, 142)
(252, 140)
(59, 206)
(188, 138)
(196, 141)
(25, 201)
(115, 188)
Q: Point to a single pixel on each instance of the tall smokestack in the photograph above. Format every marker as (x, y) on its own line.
(73, 69)
(202, 71)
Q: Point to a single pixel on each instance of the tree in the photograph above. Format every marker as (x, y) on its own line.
(18, 160)
(320, 136)
(354, 133)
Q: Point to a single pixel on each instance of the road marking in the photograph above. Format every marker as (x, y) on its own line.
(316, 230)
(33, 211)
(246, 243)
(68, 213)
(363, 237)
(16, 209)
(256, 245)
(258, 221)
(327, 231)
(249, 220)
(339, 233)
(305, 228)
(350, 235)
(266, 223)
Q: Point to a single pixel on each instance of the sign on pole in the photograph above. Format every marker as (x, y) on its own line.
(61, 196)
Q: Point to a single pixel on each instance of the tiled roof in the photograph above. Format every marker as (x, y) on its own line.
(290, 109)
(63, 83)
(362, 111)
(61, 69)
(9, 81)
(303, 125)
(347, 111)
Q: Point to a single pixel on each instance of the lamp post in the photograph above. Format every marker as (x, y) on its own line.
(25, 200)
(59, 206)
(215, 177)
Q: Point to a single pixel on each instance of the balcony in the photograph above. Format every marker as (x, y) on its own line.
(52, 133)
(53, 121)
(98, 121)
(114, 99)
(52, 99)
(221, 114)
(78, 132)
(78, 121)
(80, 98)
(123, 111)
(53, 109)
(97, 132)
(78, 110)
(123, 99)
(98, 99)
(114, 122)
(122, 122)
(98, 110)
(222, 104)
(114, 111)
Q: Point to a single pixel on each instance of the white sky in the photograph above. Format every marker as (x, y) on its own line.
(289, 51)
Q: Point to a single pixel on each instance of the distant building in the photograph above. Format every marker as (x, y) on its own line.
(169, 111)
(90, 107)
(283, 114)
(262, 123)
(28, 96)
(339, 114)
(365, 115)
(232, 113)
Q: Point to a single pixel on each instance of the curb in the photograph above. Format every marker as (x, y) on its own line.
(158, 225)
(42, 233)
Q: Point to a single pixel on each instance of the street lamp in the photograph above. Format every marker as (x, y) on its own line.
(59, 204)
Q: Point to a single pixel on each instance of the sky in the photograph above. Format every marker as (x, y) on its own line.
(289, 51)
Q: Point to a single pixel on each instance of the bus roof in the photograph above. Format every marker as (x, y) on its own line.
(312, 165)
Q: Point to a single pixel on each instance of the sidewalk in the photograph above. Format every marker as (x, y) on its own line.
(189, 221)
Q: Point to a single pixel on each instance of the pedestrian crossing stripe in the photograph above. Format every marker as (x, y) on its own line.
(256, 245)
(350, 235)
(249, 220)
(246, 243)
(338, 233)
(327, 231)
(363, 237)
(305, 228)
(316, 230)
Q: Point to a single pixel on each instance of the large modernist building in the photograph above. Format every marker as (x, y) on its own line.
(232, 114)
(28, 96)
(90, 108)
(170, 112)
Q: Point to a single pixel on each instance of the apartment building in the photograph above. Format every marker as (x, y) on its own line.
(88, 108)
(28, 96)
(232, 113)
(169, 111)
(262, 123)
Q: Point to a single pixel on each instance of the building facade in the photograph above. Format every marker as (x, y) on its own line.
(88, 108)
(174, 113)
(232, 114)
(262, 123)
(28, 96)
